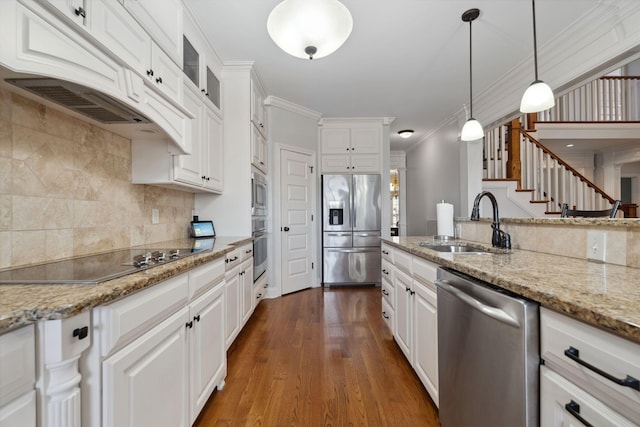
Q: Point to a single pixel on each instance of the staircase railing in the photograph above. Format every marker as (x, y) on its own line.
(554, 180)
(607, 99)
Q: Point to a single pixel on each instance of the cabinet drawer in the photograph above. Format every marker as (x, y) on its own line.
(17, 363)
(387, 271)
(387, 315)
(613, 355)
(425, 271)
(403, 260)
(125, 320)
(387, 252)
(246, 251)
(387, 292)
(204, 277)
(233, 259)
(556, 393)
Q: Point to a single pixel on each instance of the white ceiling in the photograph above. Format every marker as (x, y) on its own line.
(405, 58)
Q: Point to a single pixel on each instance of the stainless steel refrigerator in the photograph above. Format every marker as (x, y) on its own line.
(351, 229)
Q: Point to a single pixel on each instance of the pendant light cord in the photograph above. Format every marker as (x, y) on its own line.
(535, 43)
(470, 76)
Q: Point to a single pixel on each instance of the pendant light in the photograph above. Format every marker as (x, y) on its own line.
(472, 129)
(538, 96)
(309, 28)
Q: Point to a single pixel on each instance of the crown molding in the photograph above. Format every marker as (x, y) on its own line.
(384, 121)
(283, 104)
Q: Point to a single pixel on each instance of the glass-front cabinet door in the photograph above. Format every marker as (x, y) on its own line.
(191, 63)
(198, 66)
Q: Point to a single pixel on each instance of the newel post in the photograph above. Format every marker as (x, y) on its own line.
(514, 166)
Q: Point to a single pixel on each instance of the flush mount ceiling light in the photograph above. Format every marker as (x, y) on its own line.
(472, 129)
(538, 96)
(405, 133)
(309, 28)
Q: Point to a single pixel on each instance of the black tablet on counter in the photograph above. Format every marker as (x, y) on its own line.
(201, 229)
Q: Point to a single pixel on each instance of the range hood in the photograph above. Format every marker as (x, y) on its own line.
(81, 99)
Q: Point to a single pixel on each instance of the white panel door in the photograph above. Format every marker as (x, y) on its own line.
(296, 180)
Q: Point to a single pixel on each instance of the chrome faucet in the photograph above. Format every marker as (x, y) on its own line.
(499, 239)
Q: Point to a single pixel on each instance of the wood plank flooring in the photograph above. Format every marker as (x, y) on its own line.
(319, 357)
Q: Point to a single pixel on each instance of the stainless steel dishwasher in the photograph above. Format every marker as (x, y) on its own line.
(488, 354)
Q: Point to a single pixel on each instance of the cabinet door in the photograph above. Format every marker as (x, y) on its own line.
(112, 26)
(561, 402)
(214, 176)
(164, 23)
(232, 306)
(167, 76)
(258, 150)
(145, 383)
(336, 163)
(366, 140)
(335, 140)
(365, 163)
(246, 282)
(19, 412)
(188, 168)
(72, 9)
(207, 347)
(403, 312)
(425, 343)
(258, 116)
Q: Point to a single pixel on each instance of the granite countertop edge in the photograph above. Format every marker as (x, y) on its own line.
(613, 314)
(23, 304)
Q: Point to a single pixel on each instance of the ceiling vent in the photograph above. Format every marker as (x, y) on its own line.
(81, 99)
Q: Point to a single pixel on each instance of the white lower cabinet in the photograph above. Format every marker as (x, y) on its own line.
(563, 404)
(232, 305)
(17, 378)
(239, 292)
(158, 354)
(246, 285)
(207, 350)
(425, 360)
(145, 383)
(404, 313)
(415, 314)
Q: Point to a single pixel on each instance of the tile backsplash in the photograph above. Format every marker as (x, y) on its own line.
(65, 189)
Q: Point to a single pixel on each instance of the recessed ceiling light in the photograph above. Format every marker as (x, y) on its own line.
(570, 145)
(405, 133)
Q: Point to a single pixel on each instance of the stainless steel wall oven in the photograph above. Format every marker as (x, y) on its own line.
(259, 233)
(258, 194)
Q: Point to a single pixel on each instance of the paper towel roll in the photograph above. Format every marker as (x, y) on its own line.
(444, 216)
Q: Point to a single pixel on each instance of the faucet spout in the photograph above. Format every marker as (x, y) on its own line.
(499, 239)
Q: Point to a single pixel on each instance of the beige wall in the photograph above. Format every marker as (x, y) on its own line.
(65, 189)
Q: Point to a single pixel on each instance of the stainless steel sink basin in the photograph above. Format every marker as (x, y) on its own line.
(458, 249)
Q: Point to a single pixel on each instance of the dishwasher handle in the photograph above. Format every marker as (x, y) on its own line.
(494, 313)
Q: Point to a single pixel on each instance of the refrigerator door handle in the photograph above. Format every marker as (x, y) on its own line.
(350, 251)
(338, 233)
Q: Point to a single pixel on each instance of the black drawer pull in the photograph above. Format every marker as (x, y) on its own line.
(574, 409)
(385, 271)
(385, 315)
(384, 291)
(574, 354)
(80, 12)
(81, 333)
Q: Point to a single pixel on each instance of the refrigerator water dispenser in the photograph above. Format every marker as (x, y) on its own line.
(336, 216)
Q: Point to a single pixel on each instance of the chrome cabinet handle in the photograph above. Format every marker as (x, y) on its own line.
(574, 354)
(574, 409)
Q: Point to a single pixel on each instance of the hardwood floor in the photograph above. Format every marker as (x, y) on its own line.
(319, 357)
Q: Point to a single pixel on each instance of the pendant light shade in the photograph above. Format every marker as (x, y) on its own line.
(472, 129)
(538, 96)
(309, 28)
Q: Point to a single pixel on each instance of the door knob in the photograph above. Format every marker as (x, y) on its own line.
(286, 229)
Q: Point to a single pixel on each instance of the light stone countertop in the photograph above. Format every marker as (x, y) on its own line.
(23, 304)
(603, 295)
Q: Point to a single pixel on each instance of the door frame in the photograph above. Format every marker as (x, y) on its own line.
(275, 261)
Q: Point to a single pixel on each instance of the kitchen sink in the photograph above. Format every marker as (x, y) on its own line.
(458, 249)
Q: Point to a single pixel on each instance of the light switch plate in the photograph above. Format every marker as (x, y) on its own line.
(155, 216)
(596, 245)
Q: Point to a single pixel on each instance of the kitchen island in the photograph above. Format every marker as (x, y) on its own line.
(604, 295)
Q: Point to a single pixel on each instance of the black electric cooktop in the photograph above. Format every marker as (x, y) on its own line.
(93, 269)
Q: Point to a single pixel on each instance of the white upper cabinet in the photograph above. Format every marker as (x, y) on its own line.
(350, 147)
(200, 64)
(163, 22)
(258, 112)
(76, 10)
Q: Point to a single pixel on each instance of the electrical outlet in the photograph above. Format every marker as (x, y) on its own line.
(155, 216)
(596, 245)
